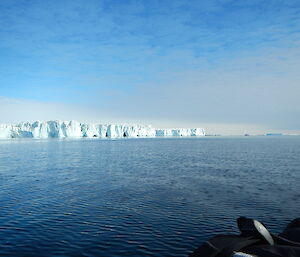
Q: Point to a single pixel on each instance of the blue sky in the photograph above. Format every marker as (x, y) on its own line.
(226, 65)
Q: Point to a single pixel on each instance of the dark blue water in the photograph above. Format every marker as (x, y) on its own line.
(141, 197)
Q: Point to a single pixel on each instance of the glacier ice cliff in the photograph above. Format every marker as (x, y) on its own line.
(74, 129)
(183, 132)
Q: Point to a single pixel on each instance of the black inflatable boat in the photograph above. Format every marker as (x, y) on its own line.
(254, 241)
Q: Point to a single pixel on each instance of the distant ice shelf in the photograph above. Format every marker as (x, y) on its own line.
(74, 129)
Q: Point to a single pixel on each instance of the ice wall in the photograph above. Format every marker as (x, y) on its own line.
(183, 132)
(73, 129)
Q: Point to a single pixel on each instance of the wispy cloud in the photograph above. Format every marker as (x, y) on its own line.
(189, 61)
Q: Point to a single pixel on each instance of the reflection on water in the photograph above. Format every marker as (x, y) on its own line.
(140, 197)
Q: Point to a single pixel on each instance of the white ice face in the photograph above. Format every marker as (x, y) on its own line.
(74, 129)
(182, 132)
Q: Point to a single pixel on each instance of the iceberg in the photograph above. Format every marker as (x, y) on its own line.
(75, 129)
(183, 132)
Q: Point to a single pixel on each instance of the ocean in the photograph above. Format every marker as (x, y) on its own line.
(141, 197)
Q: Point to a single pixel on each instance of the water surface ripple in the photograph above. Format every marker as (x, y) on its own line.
(141, 197)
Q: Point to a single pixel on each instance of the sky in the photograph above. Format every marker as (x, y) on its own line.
(230, 66)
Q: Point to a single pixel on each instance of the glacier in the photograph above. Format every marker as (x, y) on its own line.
(75, 129)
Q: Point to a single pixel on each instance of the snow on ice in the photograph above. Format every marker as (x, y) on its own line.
(74, 129)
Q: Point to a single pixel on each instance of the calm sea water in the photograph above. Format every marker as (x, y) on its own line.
(141, 197)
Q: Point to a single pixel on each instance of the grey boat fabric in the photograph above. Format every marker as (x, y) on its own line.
(250, 244)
